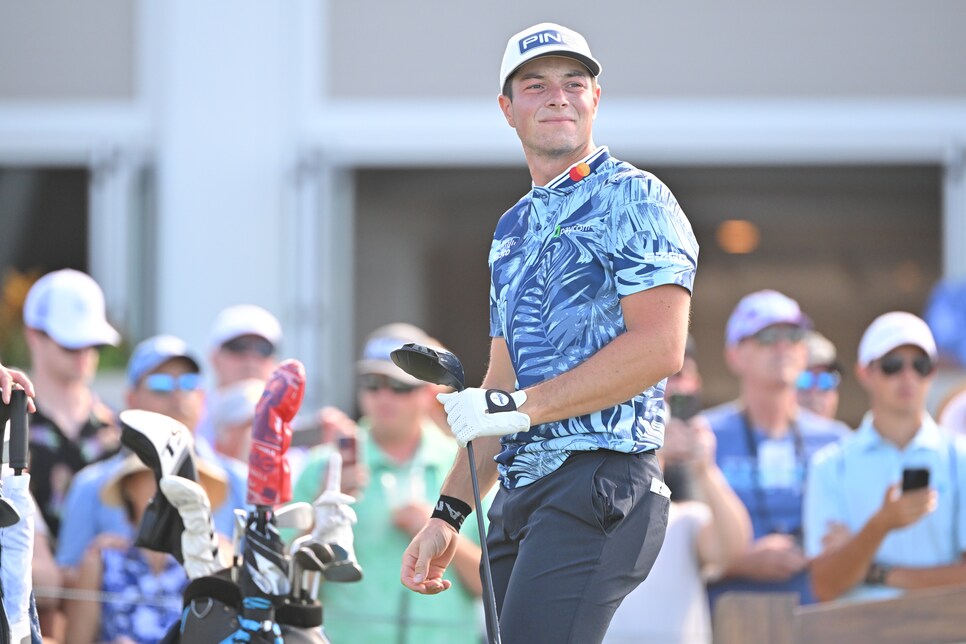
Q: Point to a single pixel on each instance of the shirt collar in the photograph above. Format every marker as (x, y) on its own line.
(569, 178)
(929, 436)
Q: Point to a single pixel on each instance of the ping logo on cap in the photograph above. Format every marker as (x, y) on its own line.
(541, 38)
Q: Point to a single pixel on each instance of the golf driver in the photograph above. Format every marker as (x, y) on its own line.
(443, 368)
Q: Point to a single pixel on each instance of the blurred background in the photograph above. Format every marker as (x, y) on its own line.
(344, 163)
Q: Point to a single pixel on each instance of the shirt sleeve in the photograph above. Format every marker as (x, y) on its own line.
(822, 500)
(78, 522)
(496, 320)
(653, 243)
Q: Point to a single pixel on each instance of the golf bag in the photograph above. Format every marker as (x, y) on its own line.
(260, 599)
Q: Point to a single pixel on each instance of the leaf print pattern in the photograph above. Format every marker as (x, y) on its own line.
(560, 261)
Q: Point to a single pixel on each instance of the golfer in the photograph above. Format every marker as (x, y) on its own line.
(591, 278)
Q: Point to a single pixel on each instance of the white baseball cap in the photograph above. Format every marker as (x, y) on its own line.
(545, 39)
(376, 354)
(68, 306)
(892, 330)
(244, 319)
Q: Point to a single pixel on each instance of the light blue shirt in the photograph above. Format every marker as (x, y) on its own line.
(768, 476)
(847, 484)
(560, 262)
(85, 515)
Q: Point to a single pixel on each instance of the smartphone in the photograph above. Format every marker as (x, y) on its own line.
(349, 448)
(915, 478)
(684, 406)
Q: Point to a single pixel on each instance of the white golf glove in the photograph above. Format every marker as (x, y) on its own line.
(475, 412)
(199, 545)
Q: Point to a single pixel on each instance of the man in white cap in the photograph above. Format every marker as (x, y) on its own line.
(242, 345)
(765, 440)
(65, 326)
(243, 342)
(884, 507)
(591, 278)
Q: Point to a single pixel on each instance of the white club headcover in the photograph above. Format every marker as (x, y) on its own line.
(199, 545)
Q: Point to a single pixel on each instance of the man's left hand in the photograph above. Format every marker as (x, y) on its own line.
(475, 412)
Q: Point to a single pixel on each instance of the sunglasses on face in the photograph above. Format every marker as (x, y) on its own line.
(165, 383)
(375, 382)
(69, 350)
(773, 334)
(243, 345)
(891, 365)
(821, 380)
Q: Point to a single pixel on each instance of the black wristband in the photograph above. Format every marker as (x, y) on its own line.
(876, 575)
(451, 510)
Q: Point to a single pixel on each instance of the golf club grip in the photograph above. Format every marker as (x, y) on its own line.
(489, 595)
(19, 445)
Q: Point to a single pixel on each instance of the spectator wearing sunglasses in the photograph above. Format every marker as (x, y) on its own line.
(407, 457)
(818, 385)
(884, 508)
(242, 345)
(163, 376)
(764, 441)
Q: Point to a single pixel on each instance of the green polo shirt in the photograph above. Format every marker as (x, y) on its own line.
(379, 609)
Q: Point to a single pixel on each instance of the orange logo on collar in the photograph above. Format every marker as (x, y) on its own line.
(579, 171)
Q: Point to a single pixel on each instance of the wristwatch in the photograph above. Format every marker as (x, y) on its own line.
(876, 575)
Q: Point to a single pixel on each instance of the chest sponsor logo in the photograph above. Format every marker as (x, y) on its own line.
(505, 247)
(579, 228)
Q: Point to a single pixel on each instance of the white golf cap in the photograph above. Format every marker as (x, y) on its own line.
(376, 354)
(68, 306)
(892, 330)
(244, 319)
(545, 39)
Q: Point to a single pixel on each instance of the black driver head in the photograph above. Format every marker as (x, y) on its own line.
(430, 365)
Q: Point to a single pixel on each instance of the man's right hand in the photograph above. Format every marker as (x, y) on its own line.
(900, 509)
(774, 557)
(426, 558)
